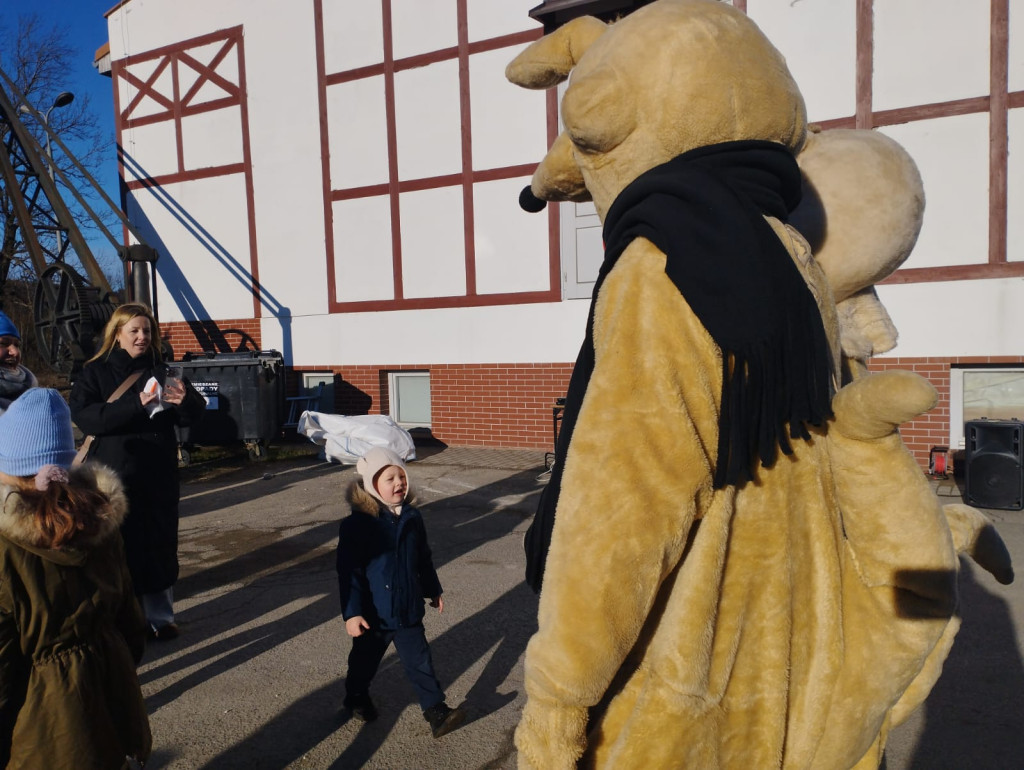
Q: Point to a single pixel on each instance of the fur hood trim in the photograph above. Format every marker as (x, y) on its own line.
(362, 501)
(18, 524)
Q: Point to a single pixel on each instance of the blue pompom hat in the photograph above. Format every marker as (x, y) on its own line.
(36, 431)
(7, 327)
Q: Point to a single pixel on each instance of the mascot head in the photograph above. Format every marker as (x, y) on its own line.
(670, 77)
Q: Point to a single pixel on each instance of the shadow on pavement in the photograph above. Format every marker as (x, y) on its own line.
(250, 480)
(974, 716)
(504, 627)
(296, 583)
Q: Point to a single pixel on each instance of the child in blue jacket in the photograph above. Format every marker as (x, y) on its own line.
(384, 573)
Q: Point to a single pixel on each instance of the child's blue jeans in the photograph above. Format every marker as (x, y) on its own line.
(411, 644)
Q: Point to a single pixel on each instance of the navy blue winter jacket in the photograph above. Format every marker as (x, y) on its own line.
(385, 570)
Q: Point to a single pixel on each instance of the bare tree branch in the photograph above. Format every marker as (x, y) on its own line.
(37, 54)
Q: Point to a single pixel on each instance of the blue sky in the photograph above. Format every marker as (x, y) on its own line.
(87, 31)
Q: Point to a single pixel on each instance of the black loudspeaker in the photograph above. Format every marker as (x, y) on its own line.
(995, 475)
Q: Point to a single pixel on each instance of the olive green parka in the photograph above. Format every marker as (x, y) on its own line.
(71, 635)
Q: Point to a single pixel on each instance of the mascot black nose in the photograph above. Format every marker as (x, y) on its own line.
(530, 202)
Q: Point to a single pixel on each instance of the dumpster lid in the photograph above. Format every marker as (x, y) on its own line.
(242, 355)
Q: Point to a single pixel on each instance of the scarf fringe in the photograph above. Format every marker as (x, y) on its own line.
(760, 400)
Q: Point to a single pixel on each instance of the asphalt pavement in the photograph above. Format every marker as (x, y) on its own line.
(255, 680)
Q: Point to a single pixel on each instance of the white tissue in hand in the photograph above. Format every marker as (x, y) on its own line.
(152, 386)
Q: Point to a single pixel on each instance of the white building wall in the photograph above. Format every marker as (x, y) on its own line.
(952, 156)
(823, 63)
(284, 137)
(1015, 184)
(284, 134)
(479, 335)
(913, 39)
(209, 273)
(962, 318)
(926, 52)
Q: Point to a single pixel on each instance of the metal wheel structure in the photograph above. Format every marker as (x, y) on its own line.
(67, 313)
(73, 298)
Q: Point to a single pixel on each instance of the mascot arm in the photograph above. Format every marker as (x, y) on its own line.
(895, 527)
(974, 535)
(636, 465)
(900, 563)
(900, 592)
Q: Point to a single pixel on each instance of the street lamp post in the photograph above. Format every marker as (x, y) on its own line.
(63, 99)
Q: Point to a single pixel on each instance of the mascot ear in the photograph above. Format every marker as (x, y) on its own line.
(548, 61)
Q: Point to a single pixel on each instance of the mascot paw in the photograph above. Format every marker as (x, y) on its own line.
(974, 535)
(874, 406)
(550, 736)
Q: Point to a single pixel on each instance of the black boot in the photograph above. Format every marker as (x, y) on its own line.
(443, 719)
(362, 707)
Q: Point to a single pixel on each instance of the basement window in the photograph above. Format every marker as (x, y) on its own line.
(409, 398)
(313, 380)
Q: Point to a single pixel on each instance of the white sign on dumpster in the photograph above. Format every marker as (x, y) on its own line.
(210, 391)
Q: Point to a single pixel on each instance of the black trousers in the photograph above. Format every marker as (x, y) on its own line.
(411, 644)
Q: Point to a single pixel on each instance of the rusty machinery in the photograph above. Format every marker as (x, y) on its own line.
(71, 306)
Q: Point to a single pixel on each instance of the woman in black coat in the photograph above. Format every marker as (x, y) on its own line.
(134, 434)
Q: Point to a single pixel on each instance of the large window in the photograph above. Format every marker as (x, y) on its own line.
(425, 148)
(983, 392)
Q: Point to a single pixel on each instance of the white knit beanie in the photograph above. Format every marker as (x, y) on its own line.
(373, 462)
(36, 431)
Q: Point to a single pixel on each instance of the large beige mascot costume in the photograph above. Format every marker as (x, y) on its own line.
(736, 578)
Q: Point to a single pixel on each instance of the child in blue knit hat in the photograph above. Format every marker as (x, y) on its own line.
(15, 379)
(71, 631)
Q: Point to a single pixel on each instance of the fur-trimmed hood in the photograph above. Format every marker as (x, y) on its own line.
(18, 524)
(362, 501)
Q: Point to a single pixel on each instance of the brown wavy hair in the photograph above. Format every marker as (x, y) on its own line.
(65, 511)
(122, 315)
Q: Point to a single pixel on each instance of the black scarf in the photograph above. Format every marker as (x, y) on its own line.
(705, 210)
(122, 363)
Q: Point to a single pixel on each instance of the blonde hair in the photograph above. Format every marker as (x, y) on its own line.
(122, 315)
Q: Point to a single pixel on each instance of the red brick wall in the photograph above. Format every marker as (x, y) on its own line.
(509, 405)
(506, 405)
(217, 336)
(932, 429)
(495, 405)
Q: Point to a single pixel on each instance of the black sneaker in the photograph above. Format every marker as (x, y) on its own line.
(443, 719)
(362, 708)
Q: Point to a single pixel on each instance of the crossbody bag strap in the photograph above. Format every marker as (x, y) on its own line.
(83, 451)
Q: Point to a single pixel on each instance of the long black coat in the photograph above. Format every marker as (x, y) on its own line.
(143, 451)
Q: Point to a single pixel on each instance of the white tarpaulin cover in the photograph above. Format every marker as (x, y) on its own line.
(346, 439)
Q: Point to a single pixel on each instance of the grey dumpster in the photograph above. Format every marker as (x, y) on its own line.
(244, 395)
